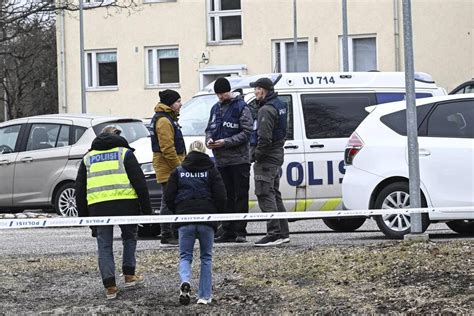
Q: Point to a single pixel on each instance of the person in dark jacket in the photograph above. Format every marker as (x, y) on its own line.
(267, 141)
(196, 187)
(110, 182)
(227, 134)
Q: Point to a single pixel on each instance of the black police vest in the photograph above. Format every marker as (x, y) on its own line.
(178, 136)
(192, 185)
(279, 132)
(228, 125)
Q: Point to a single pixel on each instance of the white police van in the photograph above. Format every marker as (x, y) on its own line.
(324, 109)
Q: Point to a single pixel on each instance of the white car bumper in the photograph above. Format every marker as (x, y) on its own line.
(357, 187)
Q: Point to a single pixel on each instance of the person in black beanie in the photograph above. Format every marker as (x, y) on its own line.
(169, 150)
(228, 134)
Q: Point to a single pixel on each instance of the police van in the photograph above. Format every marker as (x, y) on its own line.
(323, 111)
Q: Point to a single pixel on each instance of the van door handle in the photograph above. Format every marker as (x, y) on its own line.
(26, 159)
(316, 146)
(424, 152)
(5, 162)
(291, 147)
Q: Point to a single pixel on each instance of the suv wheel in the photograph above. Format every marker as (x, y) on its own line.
(344, 224)
(65, 200)
(463, 227)
(396, 196)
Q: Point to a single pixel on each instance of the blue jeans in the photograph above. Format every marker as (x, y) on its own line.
(105, 238)
(187, 236)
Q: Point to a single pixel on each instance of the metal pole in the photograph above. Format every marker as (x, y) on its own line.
(81, 44)
(412, 126)
(5, 102)
(295, 37)
(345, 44)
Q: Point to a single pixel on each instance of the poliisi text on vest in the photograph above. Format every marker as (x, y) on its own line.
(202, 174)
(230, 125)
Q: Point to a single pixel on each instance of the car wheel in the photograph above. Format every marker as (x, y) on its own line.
(149, 230)
(395, 196)
(463, 227)
(65, 200)
(344, 224)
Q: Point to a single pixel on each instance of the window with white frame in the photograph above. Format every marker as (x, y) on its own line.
(101, 69)
(162, 66)
(284, 56)
(224, 21)
(362, 53)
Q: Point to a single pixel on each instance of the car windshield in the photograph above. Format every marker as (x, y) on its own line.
(131, 130)
(194, 114)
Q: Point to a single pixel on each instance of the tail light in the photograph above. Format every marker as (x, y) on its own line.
(354, 145)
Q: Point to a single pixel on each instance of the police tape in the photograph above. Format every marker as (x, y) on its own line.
(38, 221)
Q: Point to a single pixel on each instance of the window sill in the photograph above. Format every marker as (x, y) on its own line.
(223, 43)
(99, 89)
(164, 86)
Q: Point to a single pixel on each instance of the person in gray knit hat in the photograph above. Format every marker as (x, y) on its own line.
(227, 134)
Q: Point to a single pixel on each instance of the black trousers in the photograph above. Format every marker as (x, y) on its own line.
(167, 229)
(236, 180)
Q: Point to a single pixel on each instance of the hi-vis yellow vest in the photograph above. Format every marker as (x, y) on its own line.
(107, 178)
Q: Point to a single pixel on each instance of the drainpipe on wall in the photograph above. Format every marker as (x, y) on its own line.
(62, 82)
(396, 34)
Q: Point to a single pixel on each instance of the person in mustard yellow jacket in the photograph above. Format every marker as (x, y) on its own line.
(169, 151)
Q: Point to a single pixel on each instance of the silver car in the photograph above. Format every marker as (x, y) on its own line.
(40, 156)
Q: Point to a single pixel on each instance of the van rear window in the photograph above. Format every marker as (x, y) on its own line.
(334, 115)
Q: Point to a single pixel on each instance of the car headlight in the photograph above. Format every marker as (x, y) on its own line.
(147, 168)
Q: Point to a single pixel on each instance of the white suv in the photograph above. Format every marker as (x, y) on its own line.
(377, 167)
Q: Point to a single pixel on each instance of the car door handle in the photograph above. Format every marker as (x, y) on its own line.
(316, 146)
(424, 152)
(26, 159)
(291, 147)
(5, 162)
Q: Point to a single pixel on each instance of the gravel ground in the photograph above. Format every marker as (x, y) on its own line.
(389, 277)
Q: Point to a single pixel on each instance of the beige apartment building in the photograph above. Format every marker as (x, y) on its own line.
(185, 44)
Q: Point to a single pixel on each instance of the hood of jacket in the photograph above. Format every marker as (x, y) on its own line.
(106, 141)
(197, 161)
(161, 107)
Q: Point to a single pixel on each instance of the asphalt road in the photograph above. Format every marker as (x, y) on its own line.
(77, 240)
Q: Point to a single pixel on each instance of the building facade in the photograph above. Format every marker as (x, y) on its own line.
(186, 44)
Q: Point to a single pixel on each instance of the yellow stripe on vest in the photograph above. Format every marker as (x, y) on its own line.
(107, 179)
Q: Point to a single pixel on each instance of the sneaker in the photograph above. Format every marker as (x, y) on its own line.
(111, 292)
(240, 239)
(184, 290)
(169, 242)
(285, 240)
(268, 241)
(203, 301)
(132, 280)
(224, 238)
